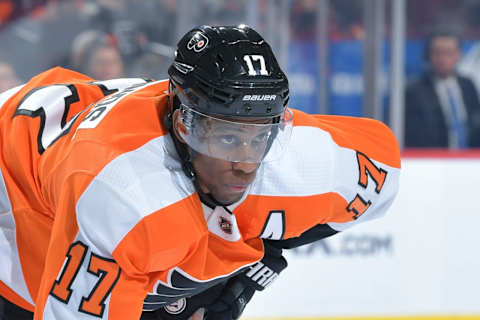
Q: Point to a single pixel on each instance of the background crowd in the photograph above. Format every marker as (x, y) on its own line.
(121, 38)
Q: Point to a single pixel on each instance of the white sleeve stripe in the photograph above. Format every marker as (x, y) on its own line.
(10, 268)
(324, 167)
(4, 96)
(130, 187)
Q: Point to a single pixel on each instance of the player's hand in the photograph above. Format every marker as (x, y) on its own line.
(198, 315)
(232, 301)
(240, 289)
(160, 315)
(264, 272)
(187, 308)
(227, 300)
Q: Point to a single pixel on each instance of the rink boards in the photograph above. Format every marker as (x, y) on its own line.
(376, 318)
(421, 261)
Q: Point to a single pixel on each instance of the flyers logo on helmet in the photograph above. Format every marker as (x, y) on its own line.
(198, 42)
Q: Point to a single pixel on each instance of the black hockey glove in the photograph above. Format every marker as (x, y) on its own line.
(227, 300)
(240, 289)
(264, 272)
(231, 302)
(185, 307)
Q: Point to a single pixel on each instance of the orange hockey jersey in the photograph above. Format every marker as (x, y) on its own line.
(98, 220)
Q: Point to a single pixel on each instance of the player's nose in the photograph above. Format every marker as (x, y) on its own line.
(245, 167)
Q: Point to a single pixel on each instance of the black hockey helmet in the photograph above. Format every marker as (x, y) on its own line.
(228, 71)
(232, 96)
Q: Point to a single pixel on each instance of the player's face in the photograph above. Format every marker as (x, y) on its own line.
(225, 181)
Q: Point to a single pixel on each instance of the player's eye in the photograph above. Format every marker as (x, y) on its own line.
(261, 138)
(229, 140)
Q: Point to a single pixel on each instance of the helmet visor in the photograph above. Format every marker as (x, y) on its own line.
(245, 140)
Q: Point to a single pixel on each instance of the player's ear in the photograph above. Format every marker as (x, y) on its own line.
(178, 125)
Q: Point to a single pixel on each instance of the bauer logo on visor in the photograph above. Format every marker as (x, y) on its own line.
(242, 140)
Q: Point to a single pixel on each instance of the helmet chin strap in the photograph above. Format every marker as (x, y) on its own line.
(186, 158)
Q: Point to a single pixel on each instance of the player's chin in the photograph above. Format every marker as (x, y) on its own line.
(226, 199)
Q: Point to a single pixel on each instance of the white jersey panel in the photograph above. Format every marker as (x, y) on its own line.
(83, 284)
(130, 187)
(346, 184)
(10, 269)
(4, 96)
(304, 170)
(315, 164)
(105, 105)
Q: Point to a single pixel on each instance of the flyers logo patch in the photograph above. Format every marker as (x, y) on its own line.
(198, 42)
(176, 307)
(225, 225)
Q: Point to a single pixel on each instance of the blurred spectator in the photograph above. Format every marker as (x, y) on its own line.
(442, 108)
(156, 19)
(346, 21)
(304, 18)
(471, 14)
(133, 23)
(426, 13)
(60, 21)
(114, 17)
(42, 37)
(223, 12)
(94, 53)
(13, 9)
(6, 10)
(151, 66)
(8, 77)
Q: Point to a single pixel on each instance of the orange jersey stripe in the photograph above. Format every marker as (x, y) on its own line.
(11, 296)
(300, 212)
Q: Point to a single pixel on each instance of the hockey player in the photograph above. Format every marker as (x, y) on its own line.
(174, 197)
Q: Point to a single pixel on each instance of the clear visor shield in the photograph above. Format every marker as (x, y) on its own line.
(249, 140)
